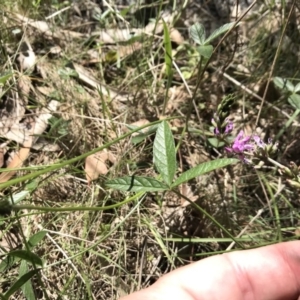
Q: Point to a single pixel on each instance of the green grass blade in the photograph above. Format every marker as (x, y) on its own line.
(27, 286)
(204, 168)
(168, 51)
(20, 282)
(164, 154)
(168, 62)
(36, 238)
(28, 256)
(62, 163)
(136, 184)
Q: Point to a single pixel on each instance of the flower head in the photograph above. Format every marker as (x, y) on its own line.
(241, 144)
(251, 146)
(219, 128)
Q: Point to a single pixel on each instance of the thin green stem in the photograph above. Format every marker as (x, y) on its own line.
(211, 218)
(76, 208)
(73, 160)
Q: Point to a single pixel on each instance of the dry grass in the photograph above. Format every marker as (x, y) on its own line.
(125, 241)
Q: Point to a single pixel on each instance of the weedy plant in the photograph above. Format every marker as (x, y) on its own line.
(63, 233)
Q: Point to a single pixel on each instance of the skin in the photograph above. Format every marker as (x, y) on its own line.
(267, 273)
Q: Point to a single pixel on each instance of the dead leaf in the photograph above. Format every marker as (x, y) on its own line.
(186, 191)
(95, 165)
(27, 60)
(44, 28)
(176, 36)
(16, 162)
(29, 135)
(85, 76)
(112, 36)
(1, 156)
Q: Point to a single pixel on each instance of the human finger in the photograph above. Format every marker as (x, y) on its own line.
(271, 272)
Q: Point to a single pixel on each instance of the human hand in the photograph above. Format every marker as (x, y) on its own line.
(267, 273)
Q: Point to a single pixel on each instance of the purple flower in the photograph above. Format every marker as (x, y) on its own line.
(259, 141)
(241, 143)
(229, 127)
(216, 131)
(227, 124)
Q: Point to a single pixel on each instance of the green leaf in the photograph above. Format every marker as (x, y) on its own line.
(27, 286)
(204, 168)
(140, 137)
(28, 256)
(218, 32)
(197, 33)
(136, 184)
(18, 197)
(284, 84)
(67, 72)
(4, 78)
(164, 154)
(36, 238)
(216, 143)
(205, 50)
(6, 204)
(20, 282)
(297, 88)
(294, 100)
(7, 263)
(142, 134)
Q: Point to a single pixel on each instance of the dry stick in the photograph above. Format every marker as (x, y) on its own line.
(143, 256)
(274, 62)
(253, 219)
(208, 61)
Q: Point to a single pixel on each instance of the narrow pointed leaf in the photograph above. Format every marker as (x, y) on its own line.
(164, 154)
(136, 184)
(20, 282)
(36, 238)
(7, 263)
(219, 32)
(27, 286)
(28, 256)
(204, 168)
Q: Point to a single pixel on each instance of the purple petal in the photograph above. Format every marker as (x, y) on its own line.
(258, 141)
(229, 127)
(228, 149)
(216, 131)
(240, 135)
